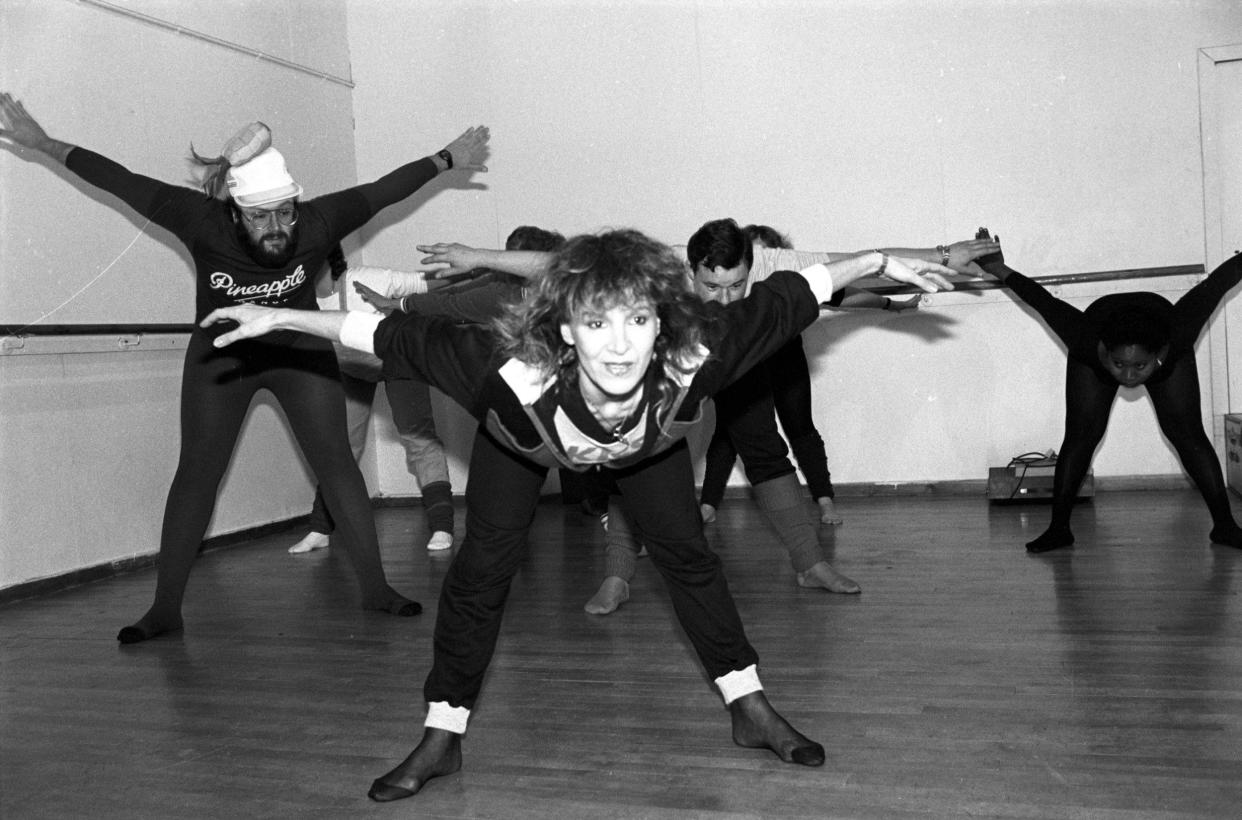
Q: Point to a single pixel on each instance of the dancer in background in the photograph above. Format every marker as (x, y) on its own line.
(252, 242)
(480, 298)
(1131, 340)
(790, 377)
(409, 402)
(606, 365)
(721, 258)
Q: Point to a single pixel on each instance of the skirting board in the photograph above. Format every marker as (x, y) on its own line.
(980, 486)
(57, 583)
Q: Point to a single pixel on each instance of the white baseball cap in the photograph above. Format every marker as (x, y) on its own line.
(262, 180)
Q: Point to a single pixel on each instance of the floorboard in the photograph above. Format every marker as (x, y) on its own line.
(968, 679)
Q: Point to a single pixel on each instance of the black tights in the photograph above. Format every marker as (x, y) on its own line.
(501, 498)
(216, 391)
(1088, 403)
(790, 381)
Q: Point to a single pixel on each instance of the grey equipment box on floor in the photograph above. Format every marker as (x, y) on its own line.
(1233, 451)
(1023, 482)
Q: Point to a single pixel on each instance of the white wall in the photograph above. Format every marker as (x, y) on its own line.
(1069, 127)
(89, 446)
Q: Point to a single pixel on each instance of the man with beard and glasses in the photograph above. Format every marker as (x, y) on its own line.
(253, 242)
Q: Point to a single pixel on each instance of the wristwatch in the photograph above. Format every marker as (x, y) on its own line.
(445, 155)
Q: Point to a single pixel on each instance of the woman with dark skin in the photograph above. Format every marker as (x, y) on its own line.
(1130, 340)
(607, 366)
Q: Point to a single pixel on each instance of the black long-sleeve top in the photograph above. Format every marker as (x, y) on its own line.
(225, 274)
(1080, 329)
(548, 422)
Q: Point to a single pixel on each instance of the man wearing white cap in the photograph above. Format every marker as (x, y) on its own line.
(253, 242)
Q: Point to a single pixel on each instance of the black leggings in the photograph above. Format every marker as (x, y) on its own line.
(501, 496)
(216, 390)
(1088, 403)
(790, 379)
(745, 426)
(1090, 389)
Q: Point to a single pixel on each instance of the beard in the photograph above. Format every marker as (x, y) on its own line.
(273, 249)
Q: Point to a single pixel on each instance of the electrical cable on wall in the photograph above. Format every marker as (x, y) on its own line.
(88, 285)
(217, 41)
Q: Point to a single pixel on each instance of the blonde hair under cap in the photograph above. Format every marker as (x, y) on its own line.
(248, 169)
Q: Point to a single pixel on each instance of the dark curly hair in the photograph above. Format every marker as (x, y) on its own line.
(1135, 326)
(530, 238)
(596, 272)
(720, 243)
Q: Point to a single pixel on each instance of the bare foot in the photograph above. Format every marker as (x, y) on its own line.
(756, 725)
(708, 512)
(436, 755)
(823, 576)
(612, 593)
(313, 541)
(828, 512)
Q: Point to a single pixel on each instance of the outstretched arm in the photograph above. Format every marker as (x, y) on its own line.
(17, 126)
(1194, 308)
(453, 358)
(167, 205)
(1064, 319)
(777, 309)
(857, 298)
(960, 256)
(255, 320)
(467, 153)
(925, 275)
(459, 259)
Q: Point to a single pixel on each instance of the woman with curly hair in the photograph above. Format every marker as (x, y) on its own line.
(605, 366)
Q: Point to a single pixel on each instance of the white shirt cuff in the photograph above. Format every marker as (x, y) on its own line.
(820, 280)
(449, 718)
(739, 682)
(358, 330)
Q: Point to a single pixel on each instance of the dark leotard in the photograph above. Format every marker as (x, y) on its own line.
(1090, 389)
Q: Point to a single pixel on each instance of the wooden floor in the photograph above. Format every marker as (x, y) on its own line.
(968, 679)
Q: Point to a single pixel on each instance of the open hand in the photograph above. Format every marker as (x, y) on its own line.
(962, 255)
(16, 124)
(457, 259)
(252, 321)
(375, 299)
(926, 276)
(470, 149)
